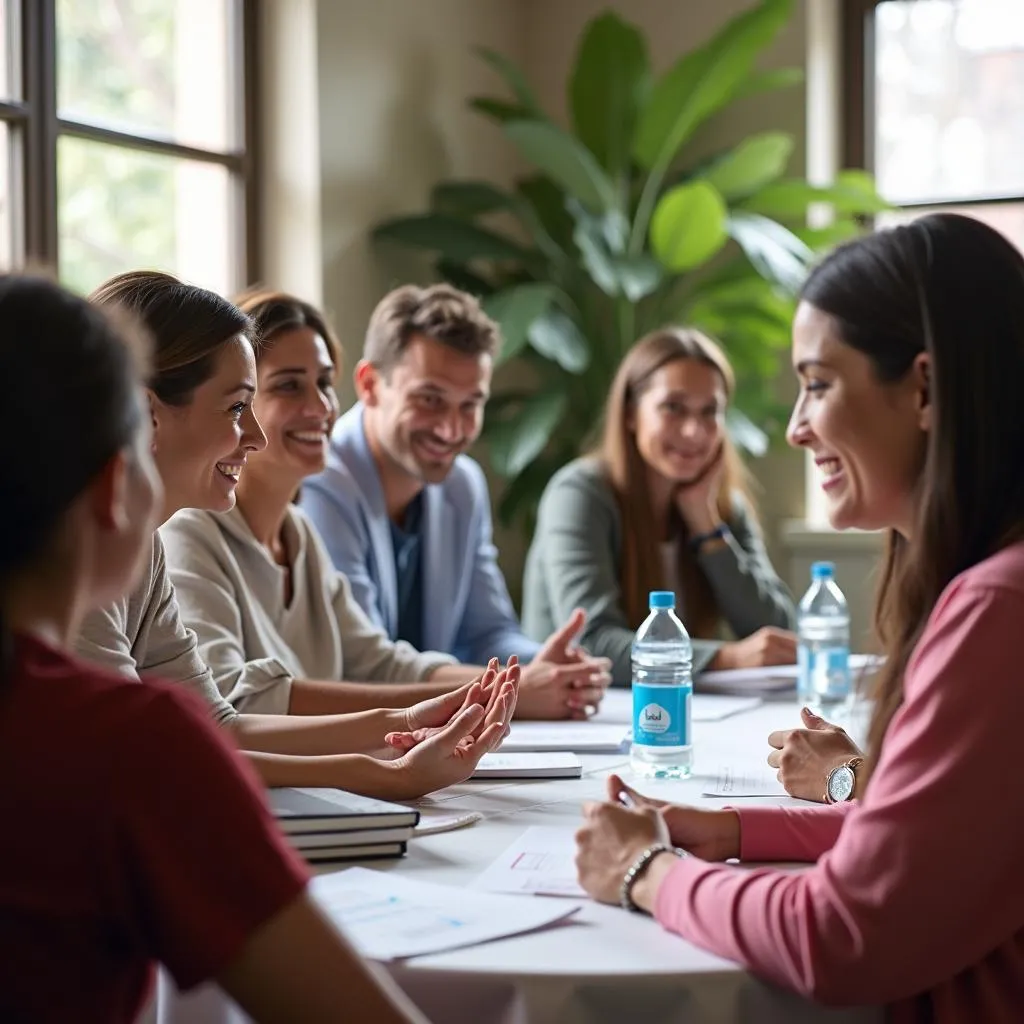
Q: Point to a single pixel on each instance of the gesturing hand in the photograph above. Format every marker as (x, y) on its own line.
(429, 717)
(804, 757)
(563, 681)
(768, 646)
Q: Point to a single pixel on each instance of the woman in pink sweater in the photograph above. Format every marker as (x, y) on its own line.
(909, 347)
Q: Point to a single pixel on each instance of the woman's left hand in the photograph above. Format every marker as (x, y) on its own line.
(609, 841)
(697, 502)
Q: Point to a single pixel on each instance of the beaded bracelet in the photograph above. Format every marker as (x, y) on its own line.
(637, 868)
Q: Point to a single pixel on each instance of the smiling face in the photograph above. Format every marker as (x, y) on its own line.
(201, 447)
(296, 404)
(867, 437)
(427, 409)
(679, 419)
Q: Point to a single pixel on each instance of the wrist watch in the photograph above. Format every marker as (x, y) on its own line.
(841, 781)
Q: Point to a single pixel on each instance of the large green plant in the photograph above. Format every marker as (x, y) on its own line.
(618, 233)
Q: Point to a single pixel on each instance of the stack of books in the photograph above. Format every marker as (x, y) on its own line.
(332, 825)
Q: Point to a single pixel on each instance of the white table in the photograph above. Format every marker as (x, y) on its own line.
(605, 964)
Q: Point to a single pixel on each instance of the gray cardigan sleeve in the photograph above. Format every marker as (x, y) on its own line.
(747, 588)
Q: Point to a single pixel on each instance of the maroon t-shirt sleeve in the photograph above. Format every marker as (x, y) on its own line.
(207, 864)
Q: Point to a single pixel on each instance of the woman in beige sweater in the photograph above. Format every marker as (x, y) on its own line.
(200, 401)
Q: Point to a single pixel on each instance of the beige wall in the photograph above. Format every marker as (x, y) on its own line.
(394, 76)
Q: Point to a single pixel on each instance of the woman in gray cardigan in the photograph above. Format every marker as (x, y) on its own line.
(663, 504)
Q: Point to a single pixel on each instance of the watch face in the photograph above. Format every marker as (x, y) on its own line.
(840, 783)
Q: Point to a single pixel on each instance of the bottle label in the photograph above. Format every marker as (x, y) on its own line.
(824, 671)
(661, 715)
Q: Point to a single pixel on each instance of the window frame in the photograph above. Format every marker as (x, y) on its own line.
(35, 130)
(858, 105)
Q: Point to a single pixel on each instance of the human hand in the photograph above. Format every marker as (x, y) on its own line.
(710, 835)
(450, 754)
(804, 757)
(563, 681)
(697, 501)
(429, 717)
(768, 646)
(609, 841)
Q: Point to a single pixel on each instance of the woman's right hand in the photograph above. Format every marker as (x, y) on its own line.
(710, 835)
(768, 646)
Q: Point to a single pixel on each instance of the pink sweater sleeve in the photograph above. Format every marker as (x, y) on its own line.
(924, 879)
(789, 833)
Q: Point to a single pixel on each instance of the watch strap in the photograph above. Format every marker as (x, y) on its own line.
(700, 539)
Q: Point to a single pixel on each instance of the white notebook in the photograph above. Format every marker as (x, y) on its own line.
(552, 765)
(579, 737)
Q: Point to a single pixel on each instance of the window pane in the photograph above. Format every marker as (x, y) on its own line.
(118, 209)
(949, 83)
(10, 209)
(154, 67)
(9, 62)
(1007, 218)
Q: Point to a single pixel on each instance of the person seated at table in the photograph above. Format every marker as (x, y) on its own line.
(199, 398)
(909, 348)
(662, 505)
(257, 586)
(405, 513)
(132, 832)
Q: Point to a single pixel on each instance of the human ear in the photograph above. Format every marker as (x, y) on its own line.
(365, 378)
(110, 493)
(155, 410)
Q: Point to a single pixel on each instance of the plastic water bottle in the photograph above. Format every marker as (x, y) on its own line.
(662, 688)
(823, 635)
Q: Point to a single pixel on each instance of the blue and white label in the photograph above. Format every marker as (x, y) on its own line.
(824, 671)
(661, 715)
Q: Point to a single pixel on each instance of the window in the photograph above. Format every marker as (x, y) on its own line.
(935, 106)
(125, 138)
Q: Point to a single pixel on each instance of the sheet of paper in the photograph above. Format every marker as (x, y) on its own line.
(771, 678)
(554, 764)
(744, 780)
(389, 917)
(579, 737)
(433, 823)
(540, 862)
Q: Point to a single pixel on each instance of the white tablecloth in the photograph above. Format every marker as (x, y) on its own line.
(605, 964)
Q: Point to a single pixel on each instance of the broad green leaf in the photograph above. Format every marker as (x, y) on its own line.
(828, 236)
(774, 250)
(521, 495)
(597, 260)
(455, 239)
(547, 201)
(515, 310)
(702, 81)
(464, 278)
(468, 198)
(768, 81)
(745, 433)
(499, 110)
(688, 226)
(557, 337)
(563, 158)
(608, 80)
(638, 275)
(515, 442)
(751, 291)
(789, 198)
(514, 78)
(757, 160)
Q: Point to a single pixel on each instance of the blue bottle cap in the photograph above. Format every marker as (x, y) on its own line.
(662, 599)
(823, 570)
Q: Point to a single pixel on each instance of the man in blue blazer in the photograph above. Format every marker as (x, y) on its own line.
(406, 515)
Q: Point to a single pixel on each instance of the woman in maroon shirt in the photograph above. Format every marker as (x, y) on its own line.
(132, 831)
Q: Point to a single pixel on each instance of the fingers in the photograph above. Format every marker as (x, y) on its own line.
(778, 738)
(811, 720)
(775, 758)
(564, 636)
(460, 727)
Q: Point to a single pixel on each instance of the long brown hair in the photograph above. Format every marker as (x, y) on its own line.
(190, 325)
(953, 288)
(641, 570)
(274, 312)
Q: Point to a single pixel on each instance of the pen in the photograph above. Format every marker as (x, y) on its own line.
(626, 800)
